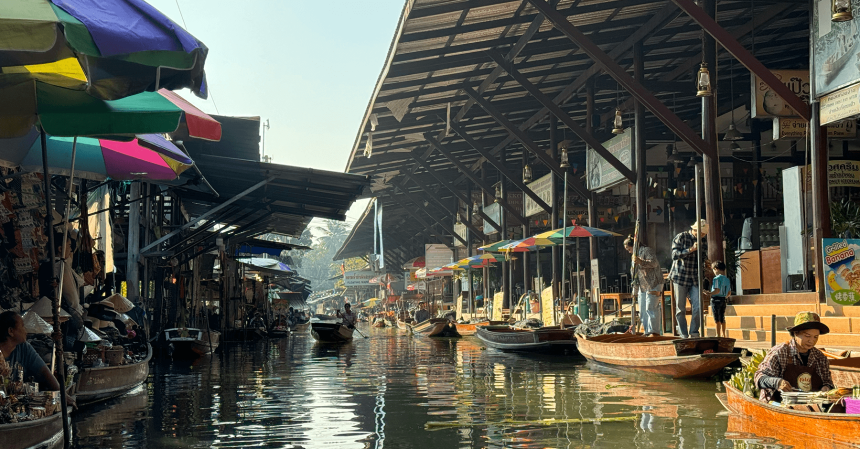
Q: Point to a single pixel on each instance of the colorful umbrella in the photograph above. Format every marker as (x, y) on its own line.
(417, 262)
(494, 247)
(112, 49)
(576, 231)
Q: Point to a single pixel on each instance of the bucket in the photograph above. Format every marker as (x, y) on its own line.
(114, 356)
(852, 406)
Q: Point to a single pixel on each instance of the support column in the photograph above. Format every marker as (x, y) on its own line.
(592, 207)
(488, 298)
(639, 146)
(756, 166)
(553, 221)
(525, 255)
(469, 252)
(132, 272)
(820, 194)
(711, 178)
(506, 278)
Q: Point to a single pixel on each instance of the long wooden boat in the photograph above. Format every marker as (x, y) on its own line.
(278, 332)
(98, 384)
(845, 371)
(190, 343)
(301, 327)
(331, 332)
(246, 334)
(472, 328)
(379, 323)
(436, 327)
(667, 356)
(405, 324)
(834, 427)
(41, 433)
(507, 338)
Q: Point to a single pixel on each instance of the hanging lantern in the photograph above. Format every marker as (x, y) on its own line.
(841, 11)
(703, 82)
(475, 208)
(368, 146)
(527, 173)
(618, 123)
(673, 155)
(732, 134)
(565, 162)
(498, 193)
(735, 147)
(459, 220)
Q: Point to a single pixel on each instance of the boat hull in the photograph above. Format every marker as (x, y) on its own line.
(836, 427)
(472, 328)
(303, 327)
(436, 328)
(246, 334)
(544, 339)
(191, 348)
(404, 325)
(98, 384)
(379, 324)
(331, 332)
(41, 433)
(665, 356)
(845, 372)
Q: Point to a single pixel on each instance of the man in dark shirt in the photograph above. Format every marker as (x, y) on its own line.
(17, 352)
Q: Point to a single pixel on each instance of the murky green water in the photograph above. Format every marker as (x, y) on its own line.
(382, 391)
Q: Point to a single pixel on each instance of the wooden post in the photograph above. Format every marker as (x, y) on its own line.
(525, 255)
(639, 148)
(553, 221)
(506, 277)
(820, 194)
(132, 272)
(711, 178)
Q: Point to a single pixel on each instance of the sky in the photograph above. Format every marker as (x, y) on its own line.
(307, 67)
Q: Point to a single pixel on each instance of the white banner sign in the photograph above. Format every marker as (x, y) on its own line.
(542, 187)
(358, 278)
(437, 255)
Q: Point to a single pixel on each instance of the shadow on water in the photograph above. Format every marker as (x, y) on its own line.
(382, 391)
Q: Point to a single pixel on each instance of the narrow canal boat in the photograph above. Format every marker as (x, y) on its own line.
(278, 332)
(331, 332)
(99, 383)
(246, 334)
(301, 327)
(42, 433)
(436, 327)
(190, 343)
(832, 427)
(667, 356)
(544, 339)
(405, 324)
(472, 328)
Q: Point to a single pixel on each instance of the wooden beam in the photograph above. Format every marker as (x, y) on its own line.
(527, 142)
(411, 211)
(619, 74)
(710, 26)
(558, 112)
(435, 197)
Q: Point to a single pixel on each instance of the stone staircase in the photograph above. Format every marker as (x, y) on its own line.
(748, 319)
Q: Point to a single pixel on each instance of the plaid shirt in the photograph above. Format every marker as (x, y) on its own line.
(781, 355)
(685, 266)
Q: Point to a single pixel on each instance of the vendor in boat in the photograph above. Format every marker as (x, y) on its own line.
(422, 314)
(797, 364)
(348, 316)
(17, 352)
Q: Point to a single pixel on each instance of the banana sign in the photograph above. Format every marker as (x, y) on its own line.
(842, 270)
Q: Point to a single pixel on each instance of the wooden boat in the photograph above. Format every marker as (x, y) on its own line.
(246, 334)
(405, 324)
(471, 328)
(379, 323)
(835, 427)
(845, 371)
(190, 343)
(301, 327)
(99, 383)
(436, 327)
(507, 338)
(278, 332)
(41, 433)
(668, 356)
(742, 429)
(331, 332)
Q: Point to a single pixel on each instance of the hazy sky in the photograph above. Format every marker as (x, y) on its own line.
(309, 67)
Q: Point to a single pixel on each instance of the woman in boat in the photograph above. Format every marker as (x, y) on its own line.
(17, 352)
(797, 364)
(648, 282)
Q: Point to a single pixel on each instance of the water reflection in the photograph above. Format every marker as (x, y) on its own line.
(382, 391)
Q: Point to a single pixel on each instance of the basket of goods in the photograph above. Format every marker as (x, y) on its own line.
(93, 356)
(115, 356)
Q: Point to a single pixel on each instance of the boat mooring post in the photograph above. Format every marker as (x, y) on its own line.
(772, 331)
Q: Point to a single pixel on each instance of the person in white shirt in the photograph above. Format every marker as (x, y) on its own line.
(349, 318)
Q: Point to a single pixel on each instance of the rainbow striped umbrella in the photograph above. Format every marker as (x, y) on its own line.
(494, 247)
(576, 231)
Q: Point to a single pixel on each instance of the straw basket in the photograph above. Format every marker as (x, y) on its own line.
(90, 357)
(114, 356)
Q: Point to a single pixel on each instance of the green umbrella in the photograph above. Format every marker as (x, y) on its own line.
(495, 247)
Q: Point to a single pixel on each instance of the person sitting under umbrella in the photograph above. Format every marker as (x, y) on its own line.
(797, 364)
(17, 352)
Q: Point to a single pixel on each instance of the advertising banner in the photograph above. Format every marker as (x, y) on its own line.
(359, 278)
(601, 174)
(437, 255)
(542, 187)
(839, 174)
(795, 128)
(766, 103)
(834, 45)
(494, 211)
(840, 105)
(842, 270)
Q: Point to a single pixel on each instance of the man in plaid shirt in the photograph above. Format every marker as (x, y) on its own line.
(685, 279)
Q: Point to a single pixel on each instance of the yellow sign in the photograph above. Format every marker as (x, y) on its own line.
(795, 128)
(839, 174)
(766, 103)
(546, 307)
(498, 302)
(840, 105)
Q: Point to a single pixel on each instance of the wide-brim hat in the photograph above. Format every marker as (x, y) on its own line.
(704, 224)
(808, 320)
(120, 303)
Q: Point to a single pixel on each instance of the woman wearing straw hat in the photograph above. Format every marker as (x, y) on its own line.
(797, 364)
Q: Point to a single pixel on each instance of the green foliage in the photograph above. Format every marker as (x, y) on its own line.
(845, 218)
(317, 264)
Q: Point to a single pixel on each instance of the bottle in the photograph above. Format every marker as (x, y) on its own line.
(855, 392)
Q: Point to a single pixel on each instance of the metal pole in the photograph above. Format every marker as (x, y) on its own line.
(564, 243)
(698, 247)
(772, 331)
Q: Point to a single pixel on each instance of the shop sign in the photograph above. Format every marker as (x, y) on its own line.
(358, 278)
(542, 187)
(842, 275)
(494, 212)
(839, 174)
(766, 103)
(656, 212)
(795, 128)
(840, 105)
(437, 255)
(602, 175)
(834, 46)
(461, 230)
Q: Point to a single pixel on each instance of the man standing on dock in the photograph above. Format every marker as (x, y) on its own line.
(685, 278)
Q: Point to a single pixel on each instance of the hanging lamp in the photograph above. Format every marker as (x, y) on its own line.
(703, 81)
(841, 10)
(732, 134)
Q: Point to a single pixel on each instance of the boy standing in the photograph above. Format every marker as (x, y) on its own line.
(719, 297)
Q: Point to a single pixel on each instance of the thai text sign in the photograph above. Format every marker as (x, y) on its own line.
(795, 128)
(766, 103)
(542, 187)
(358, 278)
(437, 255)
(840, 105)
(839, 174)
(601, 174)
(842, 270)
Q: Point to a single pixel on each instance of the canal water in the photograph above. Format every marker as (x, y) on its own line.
(398, 391)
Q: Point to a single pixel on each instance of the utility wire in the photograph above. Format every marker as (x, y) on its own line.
(184, 25)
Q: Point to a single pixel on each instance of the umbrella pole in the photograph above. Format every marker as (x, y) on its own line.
(55, 303)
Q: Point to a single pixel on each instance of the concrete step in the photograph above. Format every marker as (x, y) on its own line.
(832, 339)
(789, 310)
(844, 325)
(776, 298)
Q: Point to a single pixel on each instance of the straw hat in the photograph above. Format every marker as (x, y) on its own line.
(36, 325)
(42, 307)
(127, 320)
(808, 320)
(704, 226)
(119, 303)
(89, 336)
